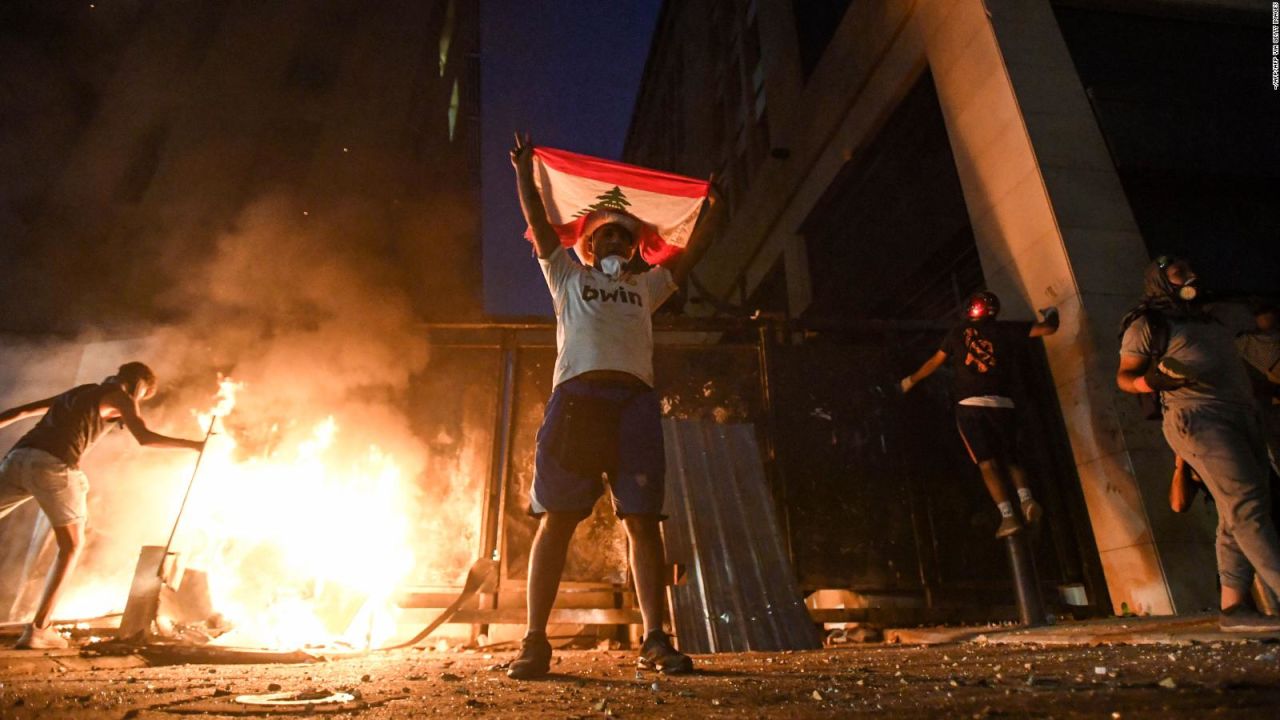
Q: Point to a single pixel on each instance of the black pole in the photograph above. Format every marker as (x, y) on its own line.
(1025, 583)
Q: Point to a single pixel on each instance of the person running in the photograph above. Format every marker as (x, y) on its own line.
(1210, 421)
(45, 464)
(603, 417)
(982, 351)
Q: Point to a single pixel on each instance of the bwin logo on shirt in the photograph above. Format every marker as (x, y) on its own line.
(621, 295)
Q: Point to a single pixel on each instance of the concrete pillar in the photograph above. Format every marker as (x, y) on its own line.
(1053, 227)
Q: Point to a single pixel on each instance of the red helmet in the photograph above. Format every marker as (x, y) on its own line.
(982, 305)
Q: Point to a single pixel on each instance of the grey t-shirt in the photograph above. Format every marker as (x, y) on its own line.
(1262, 351)
(1208, 349)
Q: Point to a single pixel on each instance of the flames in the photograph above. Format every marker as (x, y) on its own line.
(304, 539)
(295, 539)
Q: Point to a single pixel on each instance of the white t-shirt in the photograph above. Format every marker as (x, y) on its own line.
(603, 324)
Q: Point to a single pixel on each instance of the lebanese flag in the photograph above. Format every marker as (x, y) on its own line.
(573, 185)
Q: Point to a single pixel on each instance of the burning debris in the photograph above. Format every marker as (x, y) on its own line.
(317, 497)
(298, 547)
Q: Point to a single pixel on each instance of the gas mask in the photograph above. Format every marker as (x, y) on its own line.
(1187, 291)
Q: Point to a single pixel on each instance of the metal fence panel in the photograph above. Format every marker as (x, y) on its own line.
(740, 592)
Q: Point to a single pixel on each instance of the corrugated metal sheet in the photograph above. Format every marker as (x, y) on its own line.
(740, 592)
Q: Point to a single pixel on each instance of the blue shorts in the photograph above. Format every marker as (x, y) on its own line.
(592, 429)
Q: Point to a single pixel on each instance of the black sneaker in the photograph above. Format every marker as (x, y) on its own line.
(659, 654)
(1243, 619)
(534, 660)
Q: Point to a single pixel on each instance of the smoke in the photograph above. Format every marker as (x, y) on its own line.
(314, 327)
(264, 216)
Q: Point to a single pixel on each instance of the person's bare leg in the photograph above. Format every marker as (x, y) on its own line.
(992, 477)
(647, 561)
(546, 564)
(70, 540)
(1031, 510)
(1018, 477)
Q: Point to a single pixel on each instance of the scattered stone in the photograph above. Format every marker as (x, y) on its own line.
(1168, 684)
(366, 678)
(275, 687)
(1099, 670)
(447, 677)
(817, 695)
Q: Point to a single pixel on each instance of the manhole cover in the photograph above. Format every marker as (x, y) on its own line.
(308, 697)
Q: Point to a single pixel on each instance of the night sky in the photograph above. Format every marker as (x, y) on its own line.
(567, 74)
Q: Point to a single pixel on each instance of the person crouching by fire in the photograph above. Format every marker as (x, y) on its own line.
(45, 465)
(603, 417)
(982, 350)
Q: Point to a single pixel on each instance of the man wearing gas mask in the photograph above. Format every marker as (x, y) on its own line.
(1183, 348)
(603, 418)
(981, 350)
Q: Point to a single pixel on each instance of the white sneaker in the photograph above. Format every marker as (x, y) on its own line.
(34, 638)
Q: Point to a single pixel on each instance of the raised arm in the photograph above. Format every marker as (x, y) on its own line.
(128, 409)
(700, 240)
(535, 213)
(31, 409)
(925, 371)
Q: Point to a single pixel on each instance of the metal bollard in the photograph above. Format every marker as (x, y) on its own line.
(1025, 582)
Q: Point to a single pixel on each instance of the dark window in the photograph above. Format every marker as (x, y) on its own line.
(770, 296)
(816, 23)
(318, 57)
(1191, 130)
(891, 237)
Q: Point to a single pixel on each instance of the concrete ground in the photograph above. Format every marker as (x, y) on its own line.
(1120, 668)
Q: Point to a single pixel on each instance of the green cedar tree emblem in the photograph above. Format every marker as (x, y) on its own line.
(614, 199)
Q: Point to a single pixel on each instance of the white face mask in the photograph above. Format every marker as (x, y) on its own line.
(612, 266)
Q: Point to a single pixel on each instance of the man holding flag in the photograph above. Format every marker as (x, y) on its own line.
(603, 418)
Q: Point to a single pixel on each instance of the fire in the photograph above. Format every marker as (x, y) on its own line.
(302, 545)
(304, 539)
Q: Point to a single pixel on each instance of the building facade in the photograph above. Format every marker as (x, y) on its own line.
(882, 158)
(138, 133)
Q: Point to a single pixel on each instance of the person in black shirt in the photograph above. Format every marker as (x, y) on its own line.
(45, 464)
(981, 350)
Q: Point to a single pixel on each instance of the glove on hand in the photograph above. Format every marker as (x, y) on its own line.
(1050, 315)
(1160, 382)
